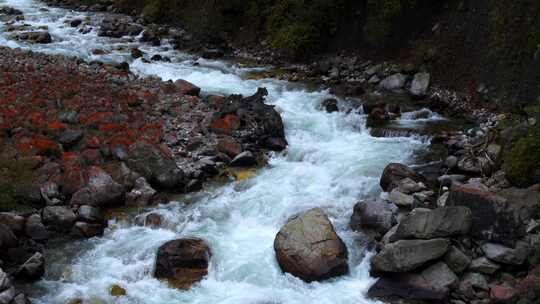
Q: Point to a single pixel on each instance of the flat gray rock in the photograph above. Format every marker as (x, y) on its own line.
(407, 255)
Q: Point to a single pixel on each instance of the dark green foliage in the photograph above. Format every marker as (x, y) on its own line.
(522, 162)
(381, 18)
(521, 16)
(292, 26)
(296, 26)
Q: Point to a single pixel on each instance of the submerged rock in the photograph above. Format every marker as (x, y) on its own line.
(330, 105)
(309, 248)
(183, 262)
(117, 291)
(42, 37)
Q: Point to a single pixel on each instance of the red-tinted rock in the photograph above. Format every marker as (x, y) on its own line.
(46, 147)
(93, 142)
(187, 88)
(531, 283)
(92, 157)
(73, 179)
(183, 262)
(229, 146)
(226, 125)
(502, 293)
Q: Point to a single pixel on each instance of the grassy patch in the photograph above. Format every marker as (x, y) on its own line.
(15, 180)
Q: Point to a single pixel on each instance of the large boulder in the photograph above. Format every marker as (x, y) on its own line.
(153, 164)
(101, 190)
(251, 120)
(429, 224)
(494, 217)
(407, 255)
(309, 248)
(183, 262)
(420, 84)
(59, 217)
(393, 83)
(394, 173)
(372, 215)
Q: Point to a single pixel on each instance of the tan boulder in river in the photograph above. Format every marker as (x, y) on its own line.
(309, 248)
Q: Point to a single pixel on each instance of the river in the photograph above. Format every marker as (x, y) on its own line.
(331, 162)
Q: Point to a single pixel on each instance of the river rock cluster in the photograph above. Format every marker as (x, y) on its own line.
(92, 137)
(475, 241)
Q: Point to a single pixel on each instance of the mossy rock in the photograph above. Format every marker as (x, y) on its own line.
(522, 162)
(117, 291)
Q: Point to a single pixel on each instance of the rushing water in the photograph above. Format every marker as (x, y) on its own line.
(331, 162)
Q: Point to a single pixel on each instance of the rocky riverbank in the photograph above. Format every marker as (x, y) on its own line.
(79, 138)
(345, 74)
(467, 237)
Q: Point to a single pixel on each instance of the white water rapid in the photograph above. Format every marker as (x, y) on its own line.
(331, 163)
